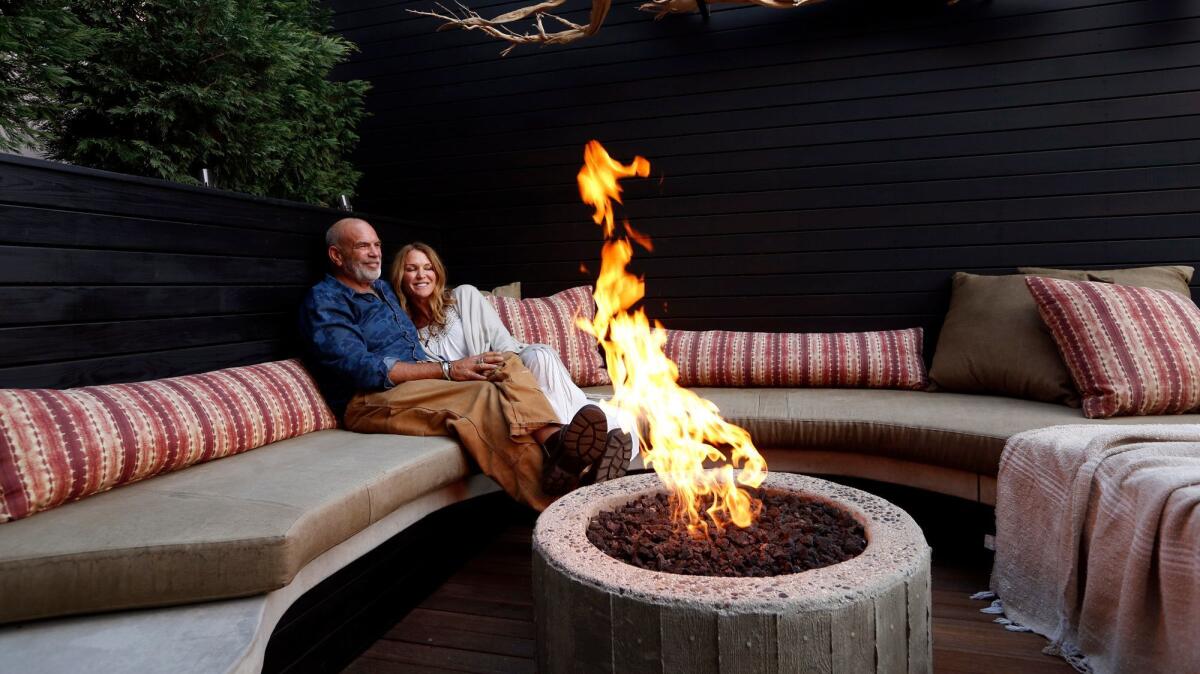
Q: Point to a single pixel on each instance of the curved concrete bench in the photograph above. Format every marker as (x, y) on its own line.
(269, 524)
(266, 525)
(944, 442)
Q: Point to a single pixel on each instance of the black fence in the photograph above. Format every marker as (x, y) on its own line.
(110, 278)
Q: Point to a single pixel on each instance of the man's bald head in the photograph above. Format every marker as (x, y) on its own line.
(338, 230)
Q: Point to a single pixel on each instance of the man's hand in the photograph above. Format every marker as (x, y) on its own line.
(477, 368)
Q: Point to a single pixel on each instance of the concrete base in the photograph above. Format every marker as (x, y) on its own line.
(597, 614)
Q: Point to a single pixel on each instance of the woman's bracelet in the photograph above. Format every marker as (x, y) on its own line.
(446, 370)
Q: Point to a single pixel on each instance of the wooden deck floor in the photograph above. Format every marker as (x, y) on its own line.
(481, 619)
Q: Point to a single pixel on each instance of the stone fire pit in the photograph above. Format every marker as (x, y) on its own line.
(597, 614)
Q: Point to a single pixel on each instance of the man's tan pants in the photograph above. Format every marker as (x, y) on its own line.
(492, 420)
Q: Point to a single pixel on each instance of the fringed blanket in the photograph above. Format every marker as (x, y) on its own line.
(1098, 544)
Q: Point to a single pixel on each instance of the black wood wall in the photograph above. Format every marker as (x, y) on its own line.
(821, 168)
(109, 278)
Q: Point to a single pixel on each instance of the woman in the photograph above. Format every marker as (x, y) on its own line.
(461, 323)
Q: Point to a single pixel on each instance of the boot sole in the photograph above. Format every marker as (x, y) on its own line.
(583, 443)
(614, 463)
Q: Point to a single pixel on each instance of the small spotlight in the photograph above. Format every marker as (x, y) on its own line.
(205, 178)
(344, 203)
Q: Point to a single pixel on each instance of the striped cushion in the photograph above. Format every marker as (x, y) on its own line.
(886, 359)
(1131, 351)
(59, 446)
(551, 321)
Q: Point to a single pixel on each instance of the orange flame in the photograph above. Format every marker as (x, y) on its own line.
(682, 431)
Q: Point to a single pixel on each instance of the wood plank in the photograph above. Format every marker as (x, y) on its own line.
(19, 264)
(448, 658)
(441, 636)
(1128, 51)
(519, 595)
(42, 344)
(479, 607)
(73, 229)
(714, 114)
(141, 366)
(76, 304)
(470, 623)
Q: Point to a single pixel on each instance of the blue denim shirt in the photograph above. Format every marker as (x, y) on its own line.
(354, 338)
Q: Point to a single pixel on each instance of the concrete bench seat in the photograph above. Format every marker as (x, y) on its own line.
(944, 442)
(266, 525)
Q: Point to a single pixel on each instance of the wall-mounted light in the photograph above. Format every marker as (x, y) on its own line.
(205, 178)
(344, 203)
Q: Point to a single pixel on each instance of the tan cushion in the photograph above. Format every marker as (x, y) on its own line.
(952, 430)
(993, 341)
(511, 290)
(233, 527)
(1174, 278)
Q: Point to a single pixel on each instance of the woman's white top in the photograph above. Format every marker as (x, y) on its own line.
(448, 342)
(481, 331)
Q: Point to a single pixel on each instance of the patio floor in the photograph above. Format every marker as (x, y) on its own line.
(481, 619)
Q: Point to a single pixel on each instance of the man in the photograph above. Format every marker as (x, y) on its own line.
(363, 350)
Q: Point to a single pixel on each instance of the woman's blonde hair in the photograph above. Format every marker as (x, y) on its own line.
(440, 300)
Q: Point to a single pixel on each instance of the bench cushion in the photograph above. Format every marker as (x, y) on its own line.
(953, 430)
(238, 526)
(59, 446)
(880, 359)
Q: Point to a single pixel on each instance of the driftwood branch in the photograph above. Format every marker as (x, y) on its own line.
(467, 19)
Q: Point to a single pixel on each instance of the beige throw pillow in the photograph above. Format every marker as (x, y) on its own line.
(509, 290)
(993, 341)
(1173, 278)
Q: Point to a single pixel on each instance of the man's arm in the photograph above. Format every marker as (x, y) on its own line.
(338, 345)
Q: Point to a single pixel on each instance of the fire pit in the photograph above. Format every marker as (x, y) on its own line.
(597, 614)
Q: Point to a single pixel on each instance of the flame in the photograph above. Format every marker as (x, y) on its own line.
(681, 430)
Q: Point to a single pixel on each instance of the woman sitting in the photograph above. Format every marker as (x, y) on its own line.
(461, 323)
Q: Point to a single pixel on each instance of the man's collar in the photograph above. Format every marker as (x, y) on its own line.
(347, 290)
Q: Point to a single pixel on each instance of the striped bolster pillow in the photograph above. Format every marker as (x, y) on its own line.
(1131, 351)
(59, 446)
(884, 359)
(551, 321)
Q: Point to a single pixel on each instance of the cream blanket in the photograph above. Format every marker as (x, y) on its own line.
(1098, 543)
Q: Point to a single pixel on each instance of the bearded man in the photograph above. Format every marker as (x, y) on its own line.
(363, 350)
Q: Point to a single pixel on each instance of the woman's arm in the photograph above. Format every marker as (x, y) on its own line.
(471, 368)
(481, 324)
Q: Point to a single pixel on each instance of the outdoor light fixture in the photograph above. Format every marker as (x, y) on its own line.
(205, 178)
(344, 203)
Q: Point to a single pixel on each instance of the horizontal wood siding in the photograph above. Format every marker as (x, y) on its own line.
(108, 278)
(821, 168)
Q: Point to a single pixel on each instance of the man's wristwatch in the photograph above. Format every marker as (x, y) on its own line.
(446, 370)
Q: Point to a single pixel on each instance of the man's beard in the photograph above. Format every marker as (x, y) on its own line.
(362, 273)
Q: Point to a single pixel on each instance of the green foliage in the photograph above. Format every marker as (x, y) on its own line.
(236, 86)
(37, 40)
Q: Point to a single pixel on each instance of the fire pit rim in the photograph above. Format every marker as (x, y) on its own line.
(895, 545)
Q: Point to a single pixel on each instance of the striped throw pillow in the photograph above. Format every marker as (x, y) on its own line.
(551, 321)
(58, 446)
(1131, 351)
(885, 359)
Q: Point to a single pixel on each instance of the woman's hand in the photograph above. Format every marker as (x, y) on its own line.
(481, 367)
